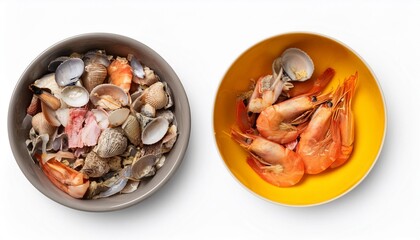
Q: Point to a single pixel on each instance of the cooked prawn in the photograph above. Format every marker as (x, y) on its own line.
(266, 92)
(283, 122)
(320, 142)
(273, 162)
(344, 116)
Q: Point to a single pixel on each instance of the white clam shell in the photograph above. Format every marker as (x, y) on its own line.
(69, 71)
(109, 96)
(154, 131)
(75, 96)
(297, 64)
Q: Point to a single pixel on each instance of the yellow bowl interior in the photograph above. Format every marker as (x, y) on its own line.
(368, 107)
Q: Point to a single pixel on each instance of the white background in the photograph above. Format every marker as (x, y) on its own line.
(200, 40)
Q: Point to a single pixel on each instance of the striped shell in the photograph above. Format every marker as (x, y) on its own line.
(111, 142)
(155, 95)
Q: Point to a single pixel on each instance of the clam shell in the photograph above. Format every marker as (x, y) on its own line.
(69, 71)
(136, 66)
(94, 75)
(169, 94)
(75, 96)
(132, 130)
(155, 95)
(297, 64)
(101, 117)
(154, 131)
(131, 186)
(117, 117)
(116, 184)
(111, 142)
(95, 166)
(63, 115)
(142, 166)
(52, 66)
(109, 96)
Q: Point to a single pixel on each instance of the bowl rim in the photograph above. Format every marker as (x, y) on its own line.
(309, 33)
(184, 141)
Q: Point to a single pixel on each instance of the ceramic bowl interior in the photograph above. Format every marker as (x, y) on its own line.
(368, 106)
(116, 45)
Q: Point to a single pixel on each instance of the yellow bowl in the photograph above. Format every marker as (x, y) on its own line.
(368, 107)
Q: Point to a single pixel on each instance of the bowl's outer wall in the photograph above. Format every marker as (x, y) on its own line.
(115, 45)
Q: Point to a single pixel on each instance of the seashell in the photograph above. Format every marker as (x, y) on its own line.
(136, 94)
(149, 77)
(131, 186)
(48, 81)
(41, 125)
(46, 97)
(34, 107)
(169, 139)
(78, 164)
(95, 188)
(155, 95)
(111, 142)
(116, 184)
(109, 96)
(118, 116)
(50, 115)
(63, 115)
(96, 57)
(154, 131)
(95, 166)
(94, 75)
(101, 116)
(132, 130)
(115, 163)
(60, 142)
(120, 73)
(169, 94)
(52, 66)
(142, 166)
(295, 63)
(160, 162)
(167, 114)
(75, 96)
(136, 66)
(69, 71)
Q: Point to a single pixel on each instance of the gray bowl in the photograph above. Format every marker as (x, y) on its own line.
(114, 45)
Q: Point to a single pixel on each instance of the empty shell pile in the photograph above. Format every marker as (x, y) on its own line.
(101, 124)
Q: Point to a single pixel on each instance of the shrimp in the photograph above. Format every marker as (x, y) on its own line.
(344, 116)
(271, 161)
(320, 142)
(284, 121)
(244, 121)
(65, 178)
(312, 86)
(120, 73)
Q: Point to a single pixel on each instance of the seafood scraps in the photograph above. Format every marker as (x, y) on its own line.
(289, 127)
(100, 125)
